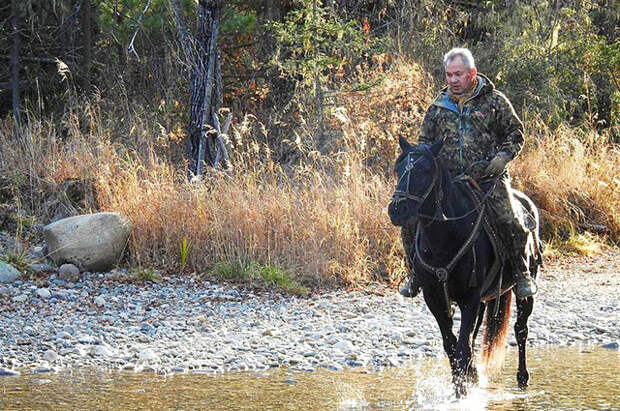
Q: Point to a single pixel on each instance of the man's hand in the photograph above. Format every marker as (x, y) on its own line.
(497, 165)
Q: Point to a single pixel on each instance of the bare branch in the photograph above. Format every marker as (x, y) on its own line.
(131, 48)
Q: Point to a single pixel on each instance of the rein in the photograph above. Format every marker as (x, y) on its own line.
(443, 273)
(400, 195)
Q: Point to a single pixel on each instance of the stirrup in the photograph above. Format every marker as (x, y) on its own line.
(411, 288)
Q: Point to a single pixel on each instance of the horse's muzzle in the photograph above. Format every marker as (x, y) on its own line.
(401, 211)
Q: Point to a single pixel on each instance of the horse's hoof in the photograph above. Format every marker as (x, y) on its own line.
(522, 380)
(472, 375)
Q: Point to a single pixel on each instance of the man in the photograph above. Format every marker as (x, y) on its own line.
(479, 126)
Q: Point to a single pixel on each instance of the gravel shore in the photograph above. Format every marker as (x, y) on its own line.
(180, 325)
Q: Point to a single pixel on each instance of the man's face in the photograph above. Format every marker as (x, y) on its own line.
(459, 77)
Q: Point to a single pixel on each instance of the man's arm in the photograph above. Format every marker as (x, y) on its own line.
(508, 129)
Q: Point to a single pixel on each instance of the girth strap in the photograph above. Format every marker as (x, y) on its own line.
(442, 273)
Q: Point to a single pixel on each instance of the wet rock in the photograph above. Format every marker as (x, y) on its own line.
(611, 346)
(5, 372)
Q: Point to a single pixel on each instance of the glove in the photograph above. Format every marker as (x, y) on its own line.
(497, 165)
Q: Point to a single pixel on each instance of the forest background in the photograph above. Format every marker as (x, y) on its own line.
(95, 107)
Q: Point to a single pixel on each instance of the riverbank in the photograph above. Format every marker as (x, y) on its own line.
(184, 324)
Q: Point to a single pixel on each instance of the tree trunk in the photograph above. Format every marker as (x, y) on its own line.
(204, 102)
(184, 36)
(15, 66)
(203, 144)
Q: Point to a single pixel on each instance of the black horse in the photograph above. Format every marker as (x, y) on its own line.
(454, 256)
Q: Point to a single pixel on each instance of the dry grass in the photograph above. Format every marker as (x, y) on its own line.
(572, 175)
(324, 220)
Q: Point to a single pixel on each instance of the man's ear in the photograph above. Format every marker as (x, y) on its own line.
(474, 71)
(404, 144)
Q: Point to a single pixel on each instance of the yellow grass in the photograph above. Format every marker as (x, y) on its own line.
(323, 220)
(572, 176)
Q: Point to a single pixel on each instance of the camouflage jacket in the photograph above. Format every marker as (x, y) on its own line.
(486, 125)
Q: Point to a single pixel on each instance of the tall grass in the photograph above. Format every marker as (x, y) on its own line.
(322, 221)
(572, 175)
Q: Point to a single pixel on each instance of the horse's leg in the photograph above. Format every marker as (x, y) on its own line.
(469, 315)
(472, 374)
(436, 305)
(524, 309)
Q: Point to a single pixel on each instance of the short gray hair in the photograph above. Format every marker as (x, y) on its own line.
(465, 54)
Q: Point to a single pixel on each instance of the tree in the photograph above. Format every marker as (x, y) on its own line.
(312, 42)
(204, 141)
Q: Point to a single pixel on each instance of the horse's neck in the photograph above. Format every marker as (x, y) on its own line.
(446, 235)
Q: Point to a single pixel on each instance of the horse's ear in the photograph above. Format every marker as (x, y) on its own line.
(404, 144)
(436, 147)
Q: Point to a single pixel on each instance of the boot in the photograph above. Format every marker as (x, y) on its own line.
(411, 287)
(525, 284)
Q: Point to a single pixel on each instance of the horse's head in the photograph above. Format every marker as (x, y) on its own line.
(417, 172)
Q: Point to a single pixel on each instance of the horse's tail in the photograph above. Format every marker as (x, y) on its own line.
(495, 333)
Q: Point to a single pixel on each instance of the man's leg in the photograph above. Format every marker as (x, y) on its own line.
(412, 286)
(515, 238)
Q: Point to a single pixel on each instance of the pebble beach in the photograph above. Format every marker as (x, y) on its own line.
(179, 324)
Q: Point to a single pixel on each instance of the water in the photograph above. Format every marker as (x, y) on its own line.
(561, 379)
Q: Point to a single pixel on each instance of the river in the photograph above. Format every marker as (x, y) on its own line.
(561, 378)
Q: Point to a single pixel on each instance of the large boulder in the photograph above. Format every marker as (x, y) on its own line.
(8, 273)
(93, 242)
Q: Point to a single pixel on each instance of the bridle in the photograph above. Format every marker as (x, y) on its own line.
(400, 195)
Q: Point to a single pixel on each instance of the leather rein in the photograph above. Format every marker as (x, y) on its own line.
(441, 273)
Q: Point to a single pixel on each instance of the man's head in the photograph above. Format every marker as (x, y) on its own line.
(460, 70)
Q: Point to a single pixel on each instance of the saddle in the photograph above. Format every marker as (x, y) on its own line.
(476, 194)
(485, 222)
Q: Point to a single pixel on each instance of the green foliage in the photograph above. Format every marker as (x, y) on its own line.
(258, 275)
(550, 58)
(238, 22)
(120, 17)
(18, 258)
(145, 274)
(312, 41)
(185, 246)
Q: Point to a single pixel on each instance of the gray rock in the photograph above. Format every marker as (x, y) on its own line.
(100, 351)
(5, 290)
(5, 372)
(41, 370)
(69, 273)
(92, 242)
(344, 346)
(44, 293)
(41, 268)
(148, 355)
(8, 273)
(38, 252)
(99, 301)
(50, 356)
(611, 346)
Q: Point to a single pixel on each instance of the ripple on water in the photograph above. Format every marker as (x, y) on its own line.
(419, 385)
